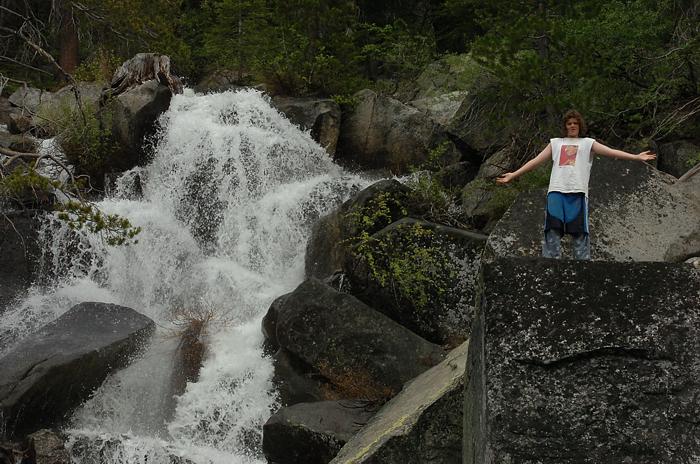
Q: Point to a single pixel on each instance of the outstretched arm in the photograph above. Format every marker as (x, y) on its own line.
(544, 156)
(601, 149)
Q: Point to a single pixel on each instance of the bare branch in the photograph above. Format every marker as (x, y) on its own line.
(7, 58)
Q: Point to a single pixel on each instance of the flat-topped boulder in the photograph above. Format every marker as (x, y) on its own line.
(584, 362)
(423, 423)
(54, 370)
(358, 351)
(637, 213)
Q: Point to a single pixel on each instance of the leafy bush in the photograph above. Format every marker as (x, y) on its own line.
(85, 137)
(99, 67)
(410, 263)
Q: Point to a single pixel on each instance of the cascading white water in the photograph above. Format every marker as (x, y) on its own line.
(228, 203)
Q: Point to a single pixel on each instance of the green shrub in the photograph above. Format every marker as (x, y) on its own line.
(85, 138)
(99, 67)
(411, 264)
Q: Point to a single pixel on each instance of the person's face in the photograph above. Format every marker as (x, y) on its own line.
(572, 128)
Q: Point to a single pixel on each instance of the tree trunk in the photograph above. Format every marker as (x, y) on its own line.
(68, 40)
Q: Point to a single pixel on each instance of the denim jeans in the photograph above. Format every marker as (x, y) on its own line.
(551, 247)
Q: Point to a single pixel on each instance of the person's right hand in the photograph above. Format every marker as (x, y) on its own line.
(505, 178)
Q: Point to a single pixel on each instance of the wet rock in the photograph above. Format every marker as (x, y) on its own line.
(359, 352)
(321, 116)
(423, 423)
(584, 362)
(313, 433)
(422, 275)
(327, 247)
(53, 371)
(20, 257)
(636, 214)
(381, 132)
(677, 157)
(47, 447)
(98, 449)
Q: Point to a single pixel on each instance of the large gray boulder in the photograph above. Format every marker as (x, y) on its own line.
(29, 98)
(584, 362)
(134, 116)
(20, 257)
(357, 351)
(382, 132)
(422, 275)
(636, 214)
(321, 116)
(53, 371)
(313, 433)
(327, 247)
(421, 424)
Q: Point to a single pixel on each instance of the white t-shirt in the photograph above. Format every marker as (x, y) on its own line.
(572, 161)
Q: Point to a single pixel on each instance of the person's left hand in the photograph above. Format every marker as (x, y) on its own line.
(646, 155)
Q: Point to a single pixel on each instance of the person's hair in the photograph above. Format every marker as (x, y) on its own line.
(573, 114)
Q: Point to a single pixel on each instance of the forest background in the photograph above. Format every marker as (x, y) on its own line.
(631, 66)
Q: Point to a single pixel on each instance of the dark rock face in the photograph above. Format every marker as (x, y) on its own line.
(319, 115)
(636, 214)
(47, 447)
(584, 362)
(421, 424)
(326, 250)
(359, 352)
(676, 158)
(431, 293)
(313, 433)
(457, 175)
(135, 114)
(382, 132)
(49, 374)
(19, 260)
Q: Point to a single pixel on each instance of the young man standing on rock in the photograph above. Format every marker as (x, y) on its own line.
(567, 196)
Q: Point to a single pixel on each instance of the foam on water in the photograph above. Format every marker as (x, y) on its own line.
(228, 203)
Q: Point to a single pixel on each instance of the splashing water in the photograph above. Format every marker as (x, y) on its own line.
(227, 205)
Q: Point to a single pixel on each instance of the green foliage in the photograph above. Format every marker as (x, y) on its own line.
(25, 183)
(87, 143)
(627, 65)
(99, 67)
(345, 101)
(394, 50)
(114, 229)
(408, 261)
(432, 201)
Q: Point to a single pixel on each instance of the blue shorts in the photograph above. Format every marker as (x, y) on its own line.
(567, 213)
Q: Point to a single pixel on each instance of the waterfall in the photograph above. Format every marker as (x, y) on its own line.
(226, 207)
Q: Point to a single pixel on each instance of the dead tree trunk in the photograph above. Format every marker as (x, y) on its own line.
(141, 68)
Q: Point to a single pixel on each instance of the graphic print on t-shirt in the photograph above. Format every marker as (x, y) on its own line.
(567, 157)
